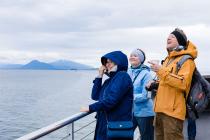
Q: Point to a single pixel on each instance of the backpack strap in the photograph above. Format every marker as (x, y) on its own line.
(190, 108)
(181, 62)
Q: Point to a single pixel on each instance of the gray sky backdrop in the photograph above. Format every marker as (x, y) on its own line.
(83, 30)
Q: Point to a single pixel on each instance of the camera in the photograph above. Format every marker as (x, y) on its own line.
(154, 86)
(153, 89)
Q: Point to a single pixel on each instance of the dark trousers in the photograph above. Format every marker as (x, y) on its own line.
(191, 129)
(145, 125)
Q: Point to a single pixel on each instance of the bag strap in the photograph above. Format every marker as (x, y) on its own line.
(181, 62)
(136, 76)
(142, 68)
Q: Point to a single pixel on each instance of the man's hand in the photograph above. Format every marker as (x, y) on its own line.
(154, 67)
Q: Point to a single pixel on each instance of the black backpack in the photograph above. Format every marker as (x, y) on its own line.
(199, 94)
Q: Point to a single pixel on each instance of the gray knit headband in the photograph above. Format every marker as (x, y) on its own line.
(140, 55)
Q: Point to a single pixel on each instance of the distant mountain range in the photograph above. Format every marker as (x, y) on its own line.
(56, 65)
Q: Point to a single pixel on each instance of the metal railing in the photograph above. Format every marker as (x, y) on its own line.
(57, 125)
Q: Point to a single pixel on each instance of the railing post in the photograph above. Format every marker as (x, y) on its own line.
(72, 130)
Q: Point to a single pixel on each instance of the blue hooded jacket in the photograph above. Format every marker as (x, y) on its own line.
(114, 97)
(142, 105)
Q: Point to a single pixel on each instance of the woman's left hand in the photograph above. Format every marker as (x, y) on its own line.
(84, 109)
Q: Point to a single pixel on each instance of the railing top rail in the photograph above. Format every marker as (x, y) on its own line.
(52, 127)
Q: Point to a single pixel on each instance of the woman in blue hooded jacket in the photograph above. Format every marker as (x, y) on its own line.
(114, 98)
(142, 104)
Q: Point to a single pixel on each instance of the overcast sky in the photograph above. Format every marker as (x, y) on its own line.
(84, 30)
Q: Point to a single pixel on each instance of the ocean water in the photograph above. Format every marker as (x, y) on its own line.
(31, 99)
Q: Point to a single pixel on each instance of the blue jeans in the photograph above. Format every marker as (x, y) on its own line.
(145, 125)
(191, 129)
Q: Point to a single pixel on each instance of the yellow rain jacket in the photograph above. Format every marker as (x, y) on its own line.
(170, 98)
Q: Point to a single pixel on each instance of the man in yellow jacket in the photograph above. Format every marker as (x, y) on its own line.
(170, 105)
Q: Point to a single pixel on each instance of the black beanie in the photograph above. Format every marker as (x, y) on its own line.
(182, 40)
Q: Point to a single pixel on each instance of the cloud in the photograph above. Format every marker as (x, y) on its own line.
(85, 30)
(91, 15)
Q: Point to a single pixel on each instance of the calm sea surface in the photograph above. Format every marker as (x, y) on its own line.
(31, 99)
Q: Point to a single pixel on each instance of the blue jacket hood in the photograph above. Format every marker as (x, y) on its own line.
(118, 57)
